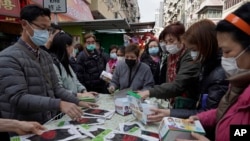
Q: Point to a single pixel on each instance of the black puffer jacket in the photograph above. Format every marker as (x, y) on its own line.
(89, 69)
(212, 82)
(154, 66)
(29, 88)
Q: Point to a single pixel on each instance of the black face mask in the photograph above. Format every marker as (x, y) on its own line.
(130, 62)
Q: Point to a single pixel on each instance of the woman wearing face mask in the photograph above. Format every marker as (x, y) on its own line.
(151, 56)
(72, 61)
(113, 59)
(61, 49)
(121, 53)
(182, 72)
(131, 73)
(233, 34)
(200, 38)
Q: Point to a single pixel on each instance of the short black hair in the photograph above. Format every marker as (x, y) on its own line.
(31, 12)
(113, 47)
(122, 49)
(238, 35)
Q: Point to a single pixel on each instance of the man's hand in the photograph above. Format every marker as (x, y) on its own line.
(159, 115)
(87, 94)
(144, 94)
(87, 104)
(71, 109)
(24, 127)
(197, 136)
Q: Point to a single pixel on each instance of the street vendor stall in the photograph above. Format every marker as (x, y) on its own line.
(110, 124)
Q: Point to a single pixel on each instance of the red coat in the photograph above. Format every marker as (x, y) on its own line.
(238, 113)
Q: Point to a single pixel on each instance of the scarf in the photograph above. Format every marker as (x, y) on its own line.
(172, 64)
(173, 59)
(238, 84)
(112, 64)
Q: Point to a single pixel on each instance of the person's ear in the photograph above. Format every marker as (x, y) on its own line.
(24, 24)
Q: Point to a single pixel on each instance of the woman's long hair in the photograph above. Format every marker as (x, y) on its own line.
(59, 48)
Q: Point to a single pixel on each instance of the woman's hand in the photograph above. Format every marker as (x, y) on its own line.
(159, 115)
(111, 89)
(143, 94)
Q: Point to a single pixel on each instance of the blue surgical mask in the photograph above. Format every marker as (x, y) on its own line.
(40, 37)
(91, 47)
(113, 55)
(153, 50)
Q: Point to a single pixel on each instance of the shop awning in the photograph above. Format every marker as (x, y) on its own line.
(112, 26)
(102, 24)
(144, 25)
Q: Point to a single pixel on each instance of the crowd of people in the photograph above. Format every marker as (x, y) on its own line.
(202, 70)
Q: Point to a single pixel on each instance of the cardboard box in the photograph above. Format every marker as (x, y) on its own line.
(106, 76)
(172, 128)
(139, 109)
(122, 106)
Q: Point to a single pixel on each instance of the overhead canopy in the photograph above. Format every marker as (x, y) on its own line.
(113, 25)
(145, 25)
(100, 24)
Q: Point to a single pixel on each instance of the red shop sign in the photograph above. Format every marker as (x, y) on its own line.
(10, 8)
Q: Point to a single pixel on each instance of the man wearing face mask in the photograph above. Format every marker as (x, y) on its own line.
(29, 87)
(90, 64)
(131, 73)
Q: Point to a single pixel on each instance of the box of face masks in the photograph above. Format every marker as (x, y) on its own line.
(106, 76)
(139, 109)
(172, 128)
(122, 106)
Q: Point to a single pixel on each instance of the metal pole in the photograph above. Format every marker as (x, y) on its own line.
(55, 20)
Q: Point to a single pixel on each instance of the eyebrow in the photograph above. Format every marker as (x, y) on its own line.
(41, 26)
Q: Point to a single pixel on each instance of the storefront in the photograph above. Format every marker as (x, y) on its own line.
(10, 28)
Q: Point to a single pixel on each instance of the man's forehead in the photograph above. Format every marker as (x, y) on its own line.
(43, 20)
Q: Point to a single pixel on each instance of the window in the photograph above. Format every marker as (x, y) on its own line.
(230, 3)
(213, 13)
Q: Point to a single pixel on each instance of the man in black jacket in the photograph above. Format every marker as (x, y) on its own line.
(90, 64)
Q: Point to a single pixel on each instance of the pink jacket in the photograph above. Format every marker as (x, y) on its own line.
(238, 113)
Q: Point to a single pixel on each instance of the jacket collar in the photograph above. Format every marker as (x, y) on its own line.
(241, 80)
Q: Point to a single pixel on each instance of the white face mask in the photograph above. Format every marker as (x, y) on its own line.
(172, 49)
(230, 65)
(119, 58)
(194, 54)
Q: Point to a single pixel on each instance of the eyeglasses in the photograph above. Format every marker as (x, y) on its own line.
(40, 27)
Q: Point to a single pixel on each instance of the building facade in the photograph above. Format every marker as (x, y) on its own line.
(231, 5)
(115, 9)
(173, 11)
(190, 11)
(159, 16)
